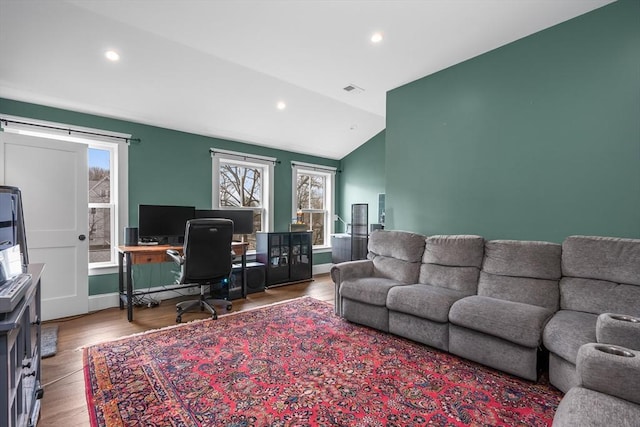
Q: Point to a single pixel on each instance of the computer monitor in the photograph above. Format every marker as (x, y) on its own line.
(242, 218)
(164, 224)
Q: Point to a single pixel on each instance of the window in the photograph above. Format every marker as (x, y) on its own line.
(243, 181)
(102, 203)
(313, 188)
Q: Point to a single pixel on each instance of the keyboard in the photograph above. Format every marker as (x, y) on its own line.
(12, 291)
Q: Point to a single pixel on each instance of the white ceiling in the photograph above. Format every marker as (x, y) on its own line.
(219, 67)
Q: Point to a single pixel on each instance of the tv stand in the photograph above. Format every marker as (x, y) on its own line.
(21, 390)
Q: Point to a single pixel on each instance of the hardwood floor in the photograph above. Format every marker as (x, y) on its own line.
(64, 402)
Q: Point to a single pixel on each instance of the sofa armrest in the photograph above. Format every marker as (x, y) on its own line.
(347, 271)
(610, 369)
(618, 329)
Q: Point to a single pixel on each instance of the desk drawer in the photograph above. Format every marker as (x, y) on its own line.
(148, 258)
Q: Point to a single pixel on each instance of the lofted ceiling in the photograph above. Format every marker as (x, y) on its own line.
(219, 67)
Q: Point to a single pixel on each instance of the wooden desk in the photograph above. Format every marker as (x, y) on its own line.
(132, 255)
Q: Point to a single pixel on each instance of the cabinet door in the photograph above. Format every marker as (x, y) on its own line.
(301, 252)
(278, 268)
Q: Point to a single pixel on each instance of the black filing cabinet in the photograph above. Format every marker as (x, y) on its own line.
(288, 256)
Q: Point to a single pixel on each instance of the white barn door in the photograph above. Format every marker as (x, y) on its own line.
(52, 176)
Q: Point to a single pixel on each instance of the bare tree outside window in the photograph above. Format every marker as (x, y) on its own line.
(310, 193)
(100, 206)
(241, 187)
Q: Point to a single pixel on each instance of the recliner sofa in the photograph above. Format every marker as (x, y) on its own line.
(518, 292)
(532, 300)
(449, 272)
(599, 275)
(394, 258)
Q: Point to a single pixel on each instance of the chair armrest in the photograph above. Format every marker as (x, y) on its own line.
(351, 270)
(610, 369)
(347, 271)
(175, 255)
(618, 329)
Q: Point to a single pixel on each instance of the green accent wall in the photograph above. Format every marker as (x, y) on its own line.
(173, 168)
(539, 139)
(362, 179)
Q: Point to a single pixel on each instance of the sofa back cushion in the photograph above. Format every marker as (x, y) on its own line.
(604, 258)
(599, 296)
(522, 271)
(396, 254)
(600, 274)
(452, 262)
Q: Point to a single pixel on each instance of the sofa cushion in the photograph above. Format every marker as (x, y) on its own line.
(605, 258)
(397, 244)
(599, 296)
(396, 254)
(454, 250)
(540, 260)
(462, 279)
(567, 331)
(513, 321)
(370, 290)
(427, 302)
(396, 269)
(452, 261)
(540, 292)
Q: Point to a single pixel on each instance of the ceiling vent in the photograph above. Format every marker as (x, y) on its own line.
(353, 89)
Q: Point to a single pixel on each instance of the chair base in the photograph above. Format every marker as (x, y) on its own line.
(202, 303)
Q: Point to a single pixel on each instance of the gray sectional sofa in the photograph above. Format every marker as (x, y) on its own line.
(512, 305)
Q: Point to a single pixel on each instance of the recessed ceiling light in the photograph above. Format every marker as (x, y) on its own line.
(376, 38)
(112, 55)
(281, 105)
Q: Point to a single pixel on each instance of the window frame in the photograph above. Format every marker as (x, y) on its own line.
(99, 138)
(112, 205)
(329, 173)
(219, 156)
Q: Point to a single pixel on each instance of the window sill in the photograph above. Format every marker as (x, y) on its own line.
(321, 249)
(97, 270)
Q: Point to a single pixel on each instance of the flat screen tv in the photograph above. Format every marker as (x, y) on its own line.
(242, 218)
(12, 230)
(163, 224)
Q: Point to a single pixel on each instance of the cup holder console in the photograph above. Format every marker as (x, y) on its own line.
(612, 349)
(625, 318)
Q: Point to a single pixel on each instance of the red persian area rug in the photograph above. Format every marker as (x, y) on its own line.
(297, 364)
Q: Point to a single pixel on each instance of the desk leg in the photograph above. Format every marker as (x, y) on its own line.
(120, 279)
(129, 288)
(244, 273)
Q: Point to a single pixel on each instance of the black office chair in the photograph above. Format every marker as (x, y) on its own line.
(206, 260)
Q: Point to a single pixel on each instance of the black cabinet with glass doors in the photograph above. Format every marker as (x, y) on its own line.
(288, 256)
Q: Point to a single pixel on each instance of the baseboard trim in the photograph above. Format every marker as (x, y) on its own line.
(110, 300)
(321, 268)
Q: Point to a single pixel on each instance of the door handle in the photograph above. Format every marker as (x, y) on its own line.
(82, 237)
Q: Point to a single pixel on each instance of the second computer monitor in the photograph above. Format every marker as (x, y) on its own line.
(242, 218)
(164, 224)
